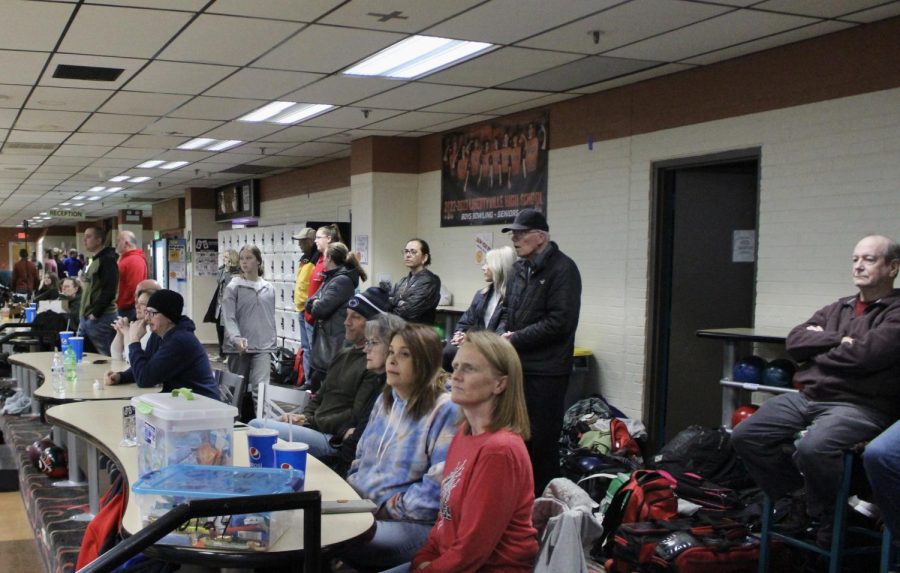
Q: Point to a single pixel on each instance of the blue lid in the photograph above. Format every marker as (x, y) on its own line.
(196, 481)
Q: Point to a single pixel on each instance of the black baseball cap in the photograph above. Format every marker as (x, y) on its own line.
(526, 220)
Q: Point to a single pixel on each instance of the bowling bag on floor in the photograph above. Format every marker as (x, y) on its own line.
(706, 452)
(648, 495)
(695, 545)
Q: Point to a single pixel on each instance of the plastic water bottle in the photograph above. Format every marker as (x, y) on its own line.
(57, 372)
(70, 365)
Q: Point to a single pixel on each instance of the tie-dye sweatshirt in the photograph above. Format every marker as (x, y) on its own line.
(400, 461)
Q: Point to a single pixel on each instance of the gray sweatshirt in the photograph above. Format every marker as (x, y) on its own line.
(248, 311)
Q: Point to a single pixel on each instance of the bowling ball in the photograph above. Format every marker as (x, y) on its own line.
(742, 414)
(779, 372)
(749, 369)
(53, 462)
(34, 450)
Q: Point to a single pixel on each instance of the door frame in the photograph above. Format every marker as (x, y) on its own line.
(659, 275)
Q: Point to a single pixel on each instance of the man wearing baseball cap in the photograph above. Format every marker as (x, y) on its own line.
(540, 316)
(306, 238)
(173, 357)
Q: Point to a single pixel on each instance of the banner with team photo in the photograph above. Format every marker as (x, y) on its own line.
(491, 172)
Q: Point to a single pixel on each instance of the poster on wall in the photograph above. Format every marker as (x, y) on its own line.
(492, 171)
(206, 255)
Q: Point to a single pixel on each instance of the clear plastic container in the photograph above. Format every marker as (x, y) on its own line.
(172, 429)
(158, 492)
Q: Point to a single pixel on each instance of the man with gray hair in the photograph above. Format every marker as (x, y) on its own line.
(132, 270)
(539, 317)
(849, 393)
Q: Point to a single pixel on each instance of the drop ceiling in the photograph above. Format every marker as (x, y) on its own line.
(192, 67)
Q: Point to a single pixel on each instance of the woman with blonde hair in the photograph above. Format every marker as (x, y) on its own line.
(484, 312)
(484, 522)
(329, 307)
(400, 456)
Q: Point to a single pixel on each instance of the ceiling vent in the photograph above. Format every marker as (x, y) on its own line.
(32, 146)
(251, 169)
(87, 73)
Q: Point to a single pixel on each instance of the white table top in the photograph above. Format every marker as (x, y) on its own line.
(100, 422)
(88, 371)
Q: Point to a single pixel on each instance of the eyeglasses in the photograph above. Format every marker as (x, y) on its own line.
(371, 343)
(412, 252)
(522, 233)
(151, 312)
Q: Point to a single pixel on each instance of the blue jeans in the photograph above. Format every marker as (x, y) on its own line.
(882, 462)
(317, 441)
(306, 340)
(99, 331)
(395, 543)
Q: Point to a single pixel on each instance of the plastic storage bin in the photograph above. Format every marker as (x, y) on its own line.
(158, 492)
(172, 429)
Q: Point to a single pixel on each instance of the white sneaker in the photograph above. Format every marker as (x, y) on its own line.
(863, 507)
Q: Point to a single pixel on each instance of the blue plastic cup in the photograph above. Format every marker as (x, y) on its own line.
(64, 339)
(291, 456)
(29, 314)
(77, 343)
(259, 446)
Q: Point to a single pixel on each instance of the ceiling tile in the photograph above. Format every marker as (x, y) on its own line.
(713, 34)
(414, 96)
(213, 39)
(413, 15)
(68, 161)
(301, 132)
(38, 136)
(143, 103)
(129, 65)
(72, 99)
(113, 163)
(484, 100)
(880, 13)
(111, 123)
(817, 8)
(13, 96)
(243, 131)
(135, 153)
(110, 139)
(222, 108)
(501, 66)
(350, 117)
(123, 32)
(92, 151)
(32, 25)
(7, 117)
(314, 149)
(804, 33)
(623, 24)
(21, 67)
(305, 11)
(588, 70)
(415, 120)
(461, 122)
(44, 120)
(153, 141)
(340, 89)
(259, 84)
(176, 126)
(179, 77)
(633, 78)
(519, 18)
(303, 52)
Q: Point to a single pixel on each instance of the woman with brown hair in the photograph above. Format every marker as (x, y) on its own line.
(400, 456)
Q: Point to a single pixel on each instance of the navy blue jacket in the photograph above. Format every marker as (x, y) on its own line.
(177, 360)
(473, 318)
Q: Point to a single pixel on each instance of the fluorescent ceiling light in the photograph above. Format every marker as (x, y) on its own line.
(113, 189)
(267, 111)
(66, 204)
(98, 188)
(286, 112)
(223, 145)
(197, 143)
(417, 56)
(118, 178)
(42, 214)
(139, 179)
(152, 163)
(78, 198)
(94, 198)
(47, 218)
(173, 164)
(301, 112)
(77, 205)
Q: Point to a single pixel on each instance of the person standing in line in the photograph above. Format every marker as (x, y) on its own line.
(540, 316)
(132, 270)
(325, 235)
(50, 263)
(417, 295)
(25, 275)
(310, 255)
(229, 269)
(72, 265)
(99, 289)
(248, 308)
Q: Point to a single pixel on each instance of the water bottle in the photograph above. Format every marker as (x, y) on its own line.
(70, 365)
(57, 372)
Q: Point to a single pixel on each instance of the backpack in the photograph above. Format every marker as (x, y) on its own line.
(648, 495)
(283, 363)
(706, 452)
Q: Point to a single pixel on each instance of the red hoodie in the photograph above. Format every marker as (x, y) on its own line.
(132, 270)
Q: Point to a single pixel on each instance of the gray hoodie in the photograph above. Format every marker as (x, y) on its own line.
(248, 311)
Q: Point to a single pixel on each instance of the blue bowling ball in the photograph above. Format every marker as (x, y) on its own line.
(780, 373)
(749, 369)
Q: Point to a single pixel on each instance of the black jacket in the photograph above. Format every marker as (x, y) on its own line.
(329, 307)
(100, 284)
(473, 318)
(543, 301)
(416, 297)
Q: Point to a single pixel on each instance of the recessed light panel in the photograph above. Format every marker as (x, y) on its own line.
(417, 56)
